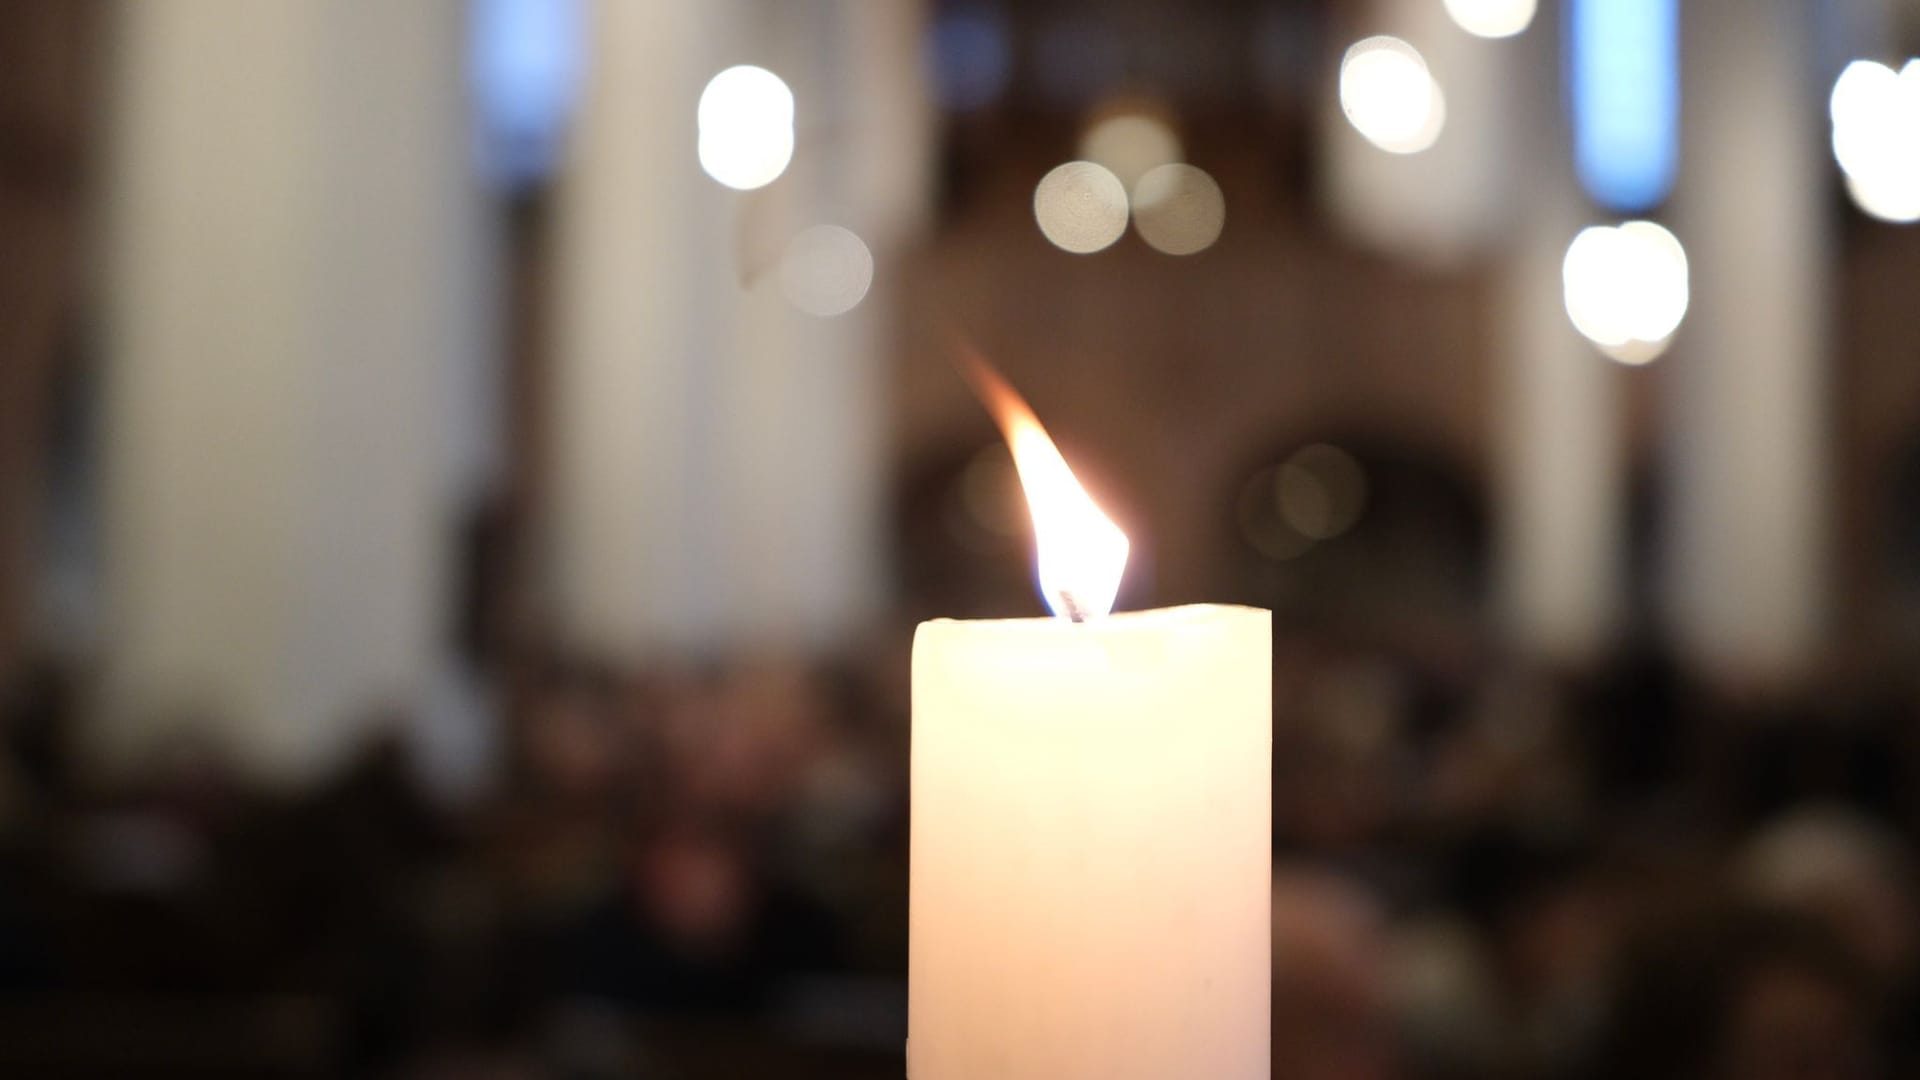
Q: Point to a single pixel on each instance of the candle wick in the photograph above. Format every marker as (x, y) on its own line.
(1071, 606)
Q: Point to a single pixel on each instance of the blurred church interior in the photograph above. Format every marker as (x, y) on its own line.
(470, 471)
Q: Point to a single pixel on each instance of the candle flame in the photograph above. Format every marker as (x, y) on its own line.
(1082, 553)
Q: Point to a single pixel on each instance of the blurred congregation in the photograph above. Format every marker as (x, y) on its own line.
(470, 471)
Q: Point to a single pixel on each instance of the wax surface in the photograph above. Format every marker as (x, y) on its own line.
(1092, 859)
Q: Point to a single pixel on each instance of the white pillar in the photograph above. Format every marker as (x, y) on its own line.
(290, 207)
(803, 408)
(640, 245)
(716, 452)
(1560, 458)
(1560, 464)
(1747, 427)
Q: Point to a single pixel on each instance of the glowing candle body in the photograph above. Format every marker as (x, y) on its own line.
(1092, 860)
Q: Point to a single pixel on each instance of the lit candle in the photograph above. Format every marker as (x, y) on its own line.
(1091, 821)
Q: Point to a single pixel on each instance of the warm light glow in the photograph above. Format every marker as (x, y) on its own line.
(1081, 207)
(1178, 209)
(1390, 97)
(1876, 137)
(1082, 554)
(1492, 18)
(746, 127)
(1626, 288)
(826, 270)
(1893, 198)
(1129, 144)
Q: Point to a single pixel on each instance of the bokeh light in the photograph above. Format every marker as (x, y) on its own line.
(1318, 493)
(1129, 144)
(1626, 288)
(1492, 18)
(1876, 137)
(526, 61)
(826, 270)
(969, 58)
(746, 127)
(1623, 89)
(1081, 207)
(990, 493)
(1892, 198)
(1390, 97)
(1262, 525)
(1322, 491)
(1178, 209)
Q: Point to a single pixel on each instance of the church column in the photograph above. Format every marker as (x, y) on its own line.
(1560, 458)
(289, 250)
(716, 474)
(1747, 424)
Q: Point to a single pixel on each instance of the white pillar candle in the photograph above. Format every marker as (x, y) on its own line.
(1091, 854)
(1092, 808)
